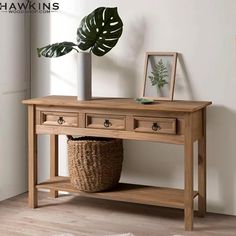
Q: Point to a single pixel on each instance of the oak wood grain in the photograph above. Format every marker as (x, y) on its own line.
(157, 196)
(188, 173)
(98, 121)
(145, 124)
(155, 137)
(52, 118)
(183, 122)
(32, 159)
(53, 161)
(116, 103)
(202, 168)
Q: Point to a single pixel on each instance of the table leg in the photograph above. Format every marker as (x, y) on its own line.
(202, 170)
(53, 161)
(188, 174)
(32, 158)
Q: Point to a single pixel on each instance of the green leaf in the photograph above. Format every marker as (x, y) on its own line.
(56, 49)
(153, 80)
(100, 30)
(160, 74)
(144, 100)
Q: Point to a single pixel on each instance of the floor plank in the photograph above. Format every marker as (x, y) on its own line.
(79, 216)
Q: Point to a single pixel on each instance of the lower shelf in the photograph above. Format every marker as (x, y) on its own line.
(157, 196)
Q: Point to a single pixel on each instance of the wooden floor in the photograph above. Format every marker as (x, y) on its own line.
(72, 216)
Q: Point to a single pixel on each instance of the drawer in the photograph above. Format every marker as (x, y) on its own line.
(160, 125)
(58, 118)
(103, 121)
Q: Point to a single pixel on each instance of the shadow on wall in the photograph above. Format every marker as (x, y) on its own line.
(40, 67)
(221, 163)
(40, 79)
(127, 65)
(182, 83)
(152, 163)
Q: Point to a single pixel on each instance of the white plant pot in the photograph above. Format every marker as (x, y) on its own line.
(84, 76)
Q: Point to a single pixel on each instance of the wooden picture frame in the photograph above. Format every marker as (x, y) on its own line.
(159, 75)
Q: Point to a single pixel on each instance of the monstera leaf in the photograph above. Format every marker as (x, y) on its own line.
(56, 49)
(100, 30)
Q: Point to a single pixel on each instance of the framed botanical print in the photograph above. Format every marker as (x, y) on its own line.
(159, 75)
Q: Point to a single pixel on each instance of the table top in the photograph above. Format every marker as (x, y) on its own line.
(119, 103)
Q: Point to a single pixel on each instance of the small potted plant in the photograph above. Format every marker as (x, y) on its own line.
(98, 33)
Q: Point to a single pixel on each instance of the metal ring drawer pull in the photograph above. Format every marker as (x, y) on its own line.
(107, 123)
(61, 120)
(155, 126)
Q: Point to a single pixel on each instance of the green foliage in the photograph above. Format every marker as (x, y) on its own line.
(159, 75)
(144, 100)
(99, 31)
(56, 49)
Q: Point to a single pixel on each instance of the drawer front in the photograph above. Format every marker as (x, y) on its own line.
(59, 118)
(155, 125)
(103, 121)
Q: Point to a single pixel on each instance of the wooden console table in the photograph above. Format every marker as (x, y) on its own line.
(176, 122)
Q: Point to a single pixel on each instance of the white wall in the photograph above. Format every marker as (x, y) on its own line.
(14, 87)
(203, 32)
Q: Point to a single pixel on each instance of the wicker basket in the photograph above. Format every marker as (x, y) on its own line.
(94, 163)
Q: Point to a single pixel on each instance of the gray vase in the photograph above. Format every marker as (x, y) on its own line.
(84, 76)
